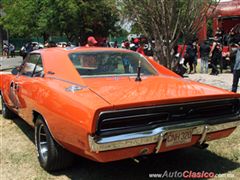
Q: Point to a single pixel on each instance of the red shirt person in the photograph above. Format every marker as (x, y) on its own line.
(140, 49)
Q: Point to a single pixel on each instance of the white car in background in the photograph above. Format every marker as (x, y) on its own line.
(65, 44)
(37, 45)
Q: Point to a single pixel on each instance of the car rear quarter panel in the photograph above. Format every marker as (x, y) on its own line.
(69, 115)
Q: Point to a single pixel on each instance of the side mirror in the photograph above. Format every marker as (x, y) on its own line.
(15, 70)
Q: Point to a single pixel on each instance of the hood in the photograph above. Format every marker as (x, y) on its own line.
(120, 91)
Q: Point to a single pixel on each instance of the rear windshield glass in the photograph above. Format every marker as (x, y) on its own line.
(108, 63)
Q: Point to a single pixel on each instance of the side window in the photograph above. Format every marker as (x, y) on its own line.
(38, 71)
(32, 66)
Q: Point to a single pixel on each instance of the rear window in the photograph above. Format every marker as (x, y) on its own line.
(108, 63)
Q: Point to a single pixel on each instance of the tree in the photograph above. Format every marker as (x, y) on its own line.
(73, 18)
(166, 21)
(20, 16)
(98, 18)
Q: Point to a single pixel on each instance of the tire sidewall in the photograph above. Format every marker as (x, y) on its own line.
(45, 163)
(3, 107)
(57, 157)
(6, 113)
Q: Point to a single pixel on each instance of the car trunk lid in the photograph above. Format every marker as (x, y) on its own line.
(121, 91)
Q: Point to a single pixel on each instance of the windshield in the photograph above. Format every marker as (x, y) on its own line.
(109, 63)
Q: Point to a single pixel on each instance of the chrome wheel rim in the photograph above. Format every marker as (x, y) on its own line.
(43, 144)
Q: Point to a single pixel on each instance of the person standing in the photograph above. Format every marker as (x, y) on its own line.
(12, 50)
(215, 55)
(190, 55)
(126, 44)
(115, 45)
(140, 49)
(219, 34)
(5, 49)
(135, 44)
(204, 54)
(236, 71)
(233, 40)
(195, 49)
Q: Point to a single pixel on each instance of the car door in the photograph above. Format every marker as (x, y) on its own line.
(23, 85)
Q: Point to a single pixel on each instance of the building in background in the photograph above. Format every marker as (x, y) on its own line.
(226, 16)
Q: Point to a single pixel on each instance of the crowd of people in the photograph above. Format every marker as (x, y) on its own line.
(206, 51)
(136, 44)
(213, 53)
(216, 55)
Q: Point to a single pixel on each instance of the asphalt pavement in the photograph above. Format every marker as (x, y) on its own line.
(10, 63)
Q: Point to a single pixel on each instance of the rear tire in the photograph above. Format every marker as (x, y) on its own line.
(51, 155)
(6, 112)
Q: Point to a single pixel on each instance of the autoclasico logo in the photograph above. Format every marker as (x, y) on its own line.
(202, 174)
(190, 174)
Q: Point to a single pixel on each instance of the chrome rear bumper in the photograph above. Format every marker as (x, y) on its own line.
(157, 135)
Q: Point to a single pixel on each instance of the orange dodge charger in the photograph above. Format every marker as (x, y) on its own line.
(109, 104)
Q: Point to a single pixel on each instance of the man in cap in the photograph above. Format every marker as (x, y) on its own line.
(91, 42)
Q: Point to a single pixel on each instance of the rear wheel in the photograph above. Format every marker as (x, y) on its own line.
(51, 155)
(6, 112)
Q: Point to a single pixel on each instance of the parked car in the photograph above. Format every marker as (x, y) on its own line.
(37, 45)
(61, 44)
(65, 44)
(108, 104)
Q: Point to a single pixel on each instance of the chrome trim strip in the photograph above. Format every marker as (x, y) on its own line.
(66, 81)
(157, 135)
(118, 76)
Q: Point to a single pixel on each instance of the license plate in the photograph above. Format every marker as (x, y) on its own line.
(178, 137)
